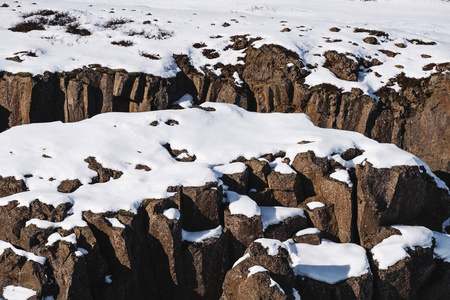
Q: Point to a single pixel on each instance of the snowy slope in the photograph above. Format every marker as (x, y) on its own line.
(45, 154)
(174, 26)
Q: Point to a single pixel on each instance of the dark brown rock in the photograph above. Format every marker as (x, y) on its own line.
(205, 266)
(343, 67)
(277, 266)
(103, 174)
(352, 288)
(10, 186)
(258, 177)
(400, 195)
(405, 279)
(242, 231)
(237, 182)
(371, 40)
(201, 207)
(286, 229)
(69, 186)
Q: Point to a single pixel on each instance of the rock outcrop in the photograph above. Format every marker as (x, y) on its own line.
(415, 118)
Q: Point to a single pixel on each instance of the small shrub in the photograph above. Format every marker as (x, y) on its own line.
(149, 55)
(28, 25)
(42, 13)
(115, 22)
(62, 19)
(75, 29)
(123, 43)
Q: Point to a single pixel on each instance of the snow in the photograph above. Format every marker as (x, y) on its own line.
(394, 248)
(115, 223)
(187, 22)
(271, 245)
(216, 138)
(328, 262)
(232, 168)
(242, 205)
(442, 247)
(296, 294)
(342, 175)
(201, 236)
(108, 279)
(30, 256)
(279, 166)
(186, 101)
(241, 259)
(314, 204)
(271, 215)
(55, 237)
(308, 231)
(256, 269)
(12, 292)
(172, 214)
(81, 252)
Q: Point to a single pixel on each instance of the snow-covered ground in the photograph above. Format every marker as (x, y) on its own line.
(44, 155)
(162, 28)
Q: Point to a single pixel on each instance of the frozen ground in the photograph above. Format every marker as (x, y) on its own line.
(44, 155)
(157, 29)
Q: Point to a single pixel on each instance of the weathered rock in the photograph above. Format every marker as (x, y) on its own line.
(164, 239)
(201, 207)
(10, 186)
(17, 270)
(343, 67)
(272, 83)
(311, 170)
(69, 186)
(103, 174)
(205, 266)
(242, 231)
(322, 218)
(400, 195)
(258, 177)
(352, 288)
(286, 229)
(237, 182)
(405, 279)
(236, 281)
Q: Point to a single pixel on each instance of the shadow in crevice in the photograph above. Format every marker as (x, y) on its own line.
(4, 118)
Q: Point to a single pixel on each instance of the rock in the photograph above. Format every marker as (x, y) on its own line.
(205, 266)
(371, 40)
(343, 67)
(165, 239)
(310, 169)
(272, 83)
(18, 271)
(287, 188)
(405, 279)
(286, 229)
(237, 182)
(352, 288)
(400, 195)
(258, 177)
(103, 174)
(260, 286)
(339, 194)
(201, 207)
(10, 186)
(322, 218)
(69, 186)
(242, 231)
(237, 282)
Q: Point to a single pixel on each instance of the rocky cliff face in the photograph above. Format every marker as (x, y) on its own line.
(147, 255)
(281, 225)
(415, 118)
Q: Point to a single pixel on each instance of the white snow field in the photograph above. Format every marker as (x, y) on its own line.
(158, 29)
